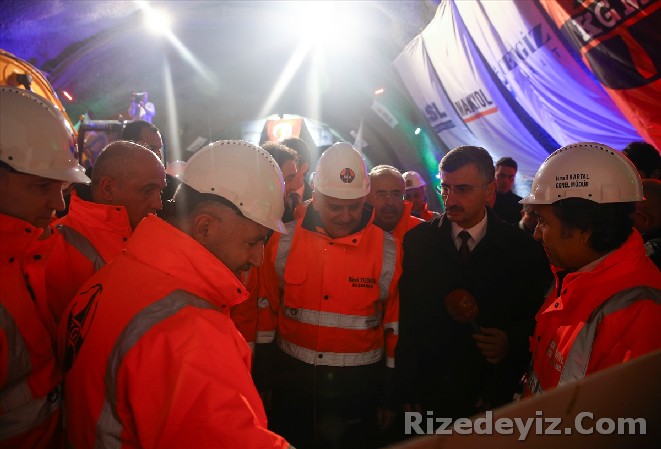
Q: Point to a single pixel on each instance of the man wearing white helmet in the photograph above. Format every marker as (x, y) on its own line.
(36, 161)
(416, 194)
(151, 357)
(605, 308)
(331, 285)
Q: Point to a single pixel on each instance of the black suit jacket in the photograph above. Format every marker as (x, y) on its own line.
(288, 215)
(507, 207)
(307, 191)
(437, 362)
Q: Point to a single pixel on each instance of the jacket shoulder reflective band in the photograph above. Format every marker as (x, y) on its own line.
(82, 244)
(578, 357)
(284, 245)
(109, 428)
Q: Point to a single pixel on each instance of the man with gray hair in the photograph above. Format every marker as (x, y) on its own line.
(391, 212)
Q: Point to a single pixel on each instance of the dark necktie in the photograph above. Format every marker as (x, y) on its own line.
(464, 251)
(295, 200)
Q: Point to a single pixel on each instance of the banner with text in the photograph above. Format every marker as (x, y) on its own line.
(474, 93)
(620, 41)
(423, 85)
(527, 54)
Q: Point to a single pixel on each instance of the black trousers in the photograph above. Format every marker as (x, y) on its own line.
(326, 407)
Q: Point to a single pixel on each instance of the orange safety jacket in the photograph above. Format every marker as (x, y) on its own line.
(334, 301)
(29, 379)
(406, 223)
(245, 313)
(427, 214)
(300, 210)
(600, 318)
(151, 357)
(88, 237)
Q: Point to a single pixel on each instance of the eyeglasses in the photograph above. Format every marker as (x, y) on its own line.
(395, 195)
(460, 190)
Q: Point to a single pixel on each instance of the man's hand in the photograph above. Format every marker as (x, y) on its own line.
(492, 343)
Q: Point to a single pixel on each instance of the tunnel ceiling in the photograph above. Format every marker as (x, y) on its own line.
(100, 51)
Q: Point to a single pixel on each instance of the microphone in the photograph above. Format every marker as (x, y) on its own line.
(462, 307)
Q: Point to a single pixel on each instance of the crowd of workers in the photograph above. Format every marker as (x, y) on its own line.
(253, 308)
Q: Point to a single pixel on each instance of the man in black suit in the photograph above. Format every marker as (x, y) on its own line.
(507, 205)
(302, 189)
(449, 367)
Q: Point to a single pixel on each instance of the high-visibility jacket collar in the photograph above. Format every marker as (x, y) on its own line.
(312, 222)
(167, 249)
(628, 253)
(16, 236)
(100, 216)
(406, 222)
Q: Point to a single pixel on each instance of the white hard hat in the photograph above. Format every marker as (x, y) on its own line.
(586, 170)
(175, 169)
(341, 173)
(36, 138)
(413, 180)
(242, 173)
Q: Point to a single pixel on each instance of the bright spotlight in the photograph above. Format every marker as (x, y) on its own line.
(379, 91)
(417, 131)
(157, 21)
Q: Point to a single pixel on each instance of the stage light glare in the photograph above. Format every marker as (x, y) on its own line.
(156, 20)
(325, 22)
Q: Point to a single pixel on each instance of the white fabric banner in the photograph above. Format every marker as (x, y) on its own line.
(422, 83)
(531, 61)
(473, 93)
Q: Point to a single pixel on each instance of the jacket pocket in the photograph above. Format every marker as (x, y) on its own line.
(294, 285)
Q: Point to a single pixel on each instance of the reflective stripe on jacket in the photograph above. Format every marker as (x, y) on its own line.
(89, 236)
(152, 359)
(334, 301)
(601, 318)
(82, 244)
(29, 379)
